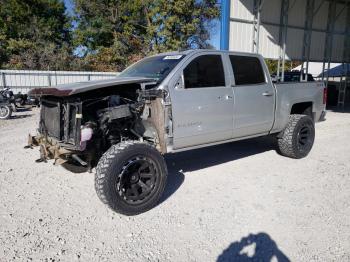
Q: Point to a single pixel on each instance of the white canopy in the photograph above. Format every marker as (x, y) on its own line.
(315, 68)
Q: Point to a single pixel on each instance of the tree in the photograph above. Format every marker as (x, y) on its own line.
(117, 33)
(108, 35)
(34, 34)
(181, 24)
(113, 32)
(273, 64)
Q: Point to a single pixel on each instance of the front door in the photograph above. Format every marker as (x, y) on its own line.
(203, 105)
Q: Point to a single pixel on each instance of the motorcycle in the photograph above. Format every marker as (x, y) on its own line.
(21, 99)
(7, 103)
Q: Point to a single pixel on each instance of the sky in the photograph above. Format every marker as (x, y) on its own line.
(214, 34)
(69, 5)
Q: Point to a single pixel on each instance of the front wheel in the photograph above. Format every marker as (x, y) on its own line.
(131, 177)
(298, 137)
(5, 111)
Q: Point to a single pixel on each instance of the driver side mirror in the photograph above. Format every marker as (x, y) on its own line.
(180, 83)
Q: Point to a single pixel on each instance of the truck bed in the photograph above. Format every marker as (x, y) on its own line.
(289, 93)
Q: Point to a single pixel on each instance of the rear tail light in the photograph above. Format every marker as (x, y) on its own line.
(325, 96)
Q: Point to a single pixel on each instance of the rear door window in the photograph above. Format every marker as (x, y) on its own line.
(247, 70)
(205, 71)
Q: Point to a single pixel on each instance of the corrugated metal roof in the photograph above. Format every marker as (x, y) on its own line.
(241, 31)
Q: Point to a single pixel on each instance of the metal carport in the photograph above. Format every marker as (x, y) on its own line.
(299, 30)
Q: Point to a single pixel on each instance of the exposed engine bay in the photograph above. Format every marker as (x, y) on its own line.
(81, 127)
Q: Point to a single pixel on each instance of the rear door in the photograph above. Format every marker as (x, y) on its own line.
(203, 104)
(254, 96)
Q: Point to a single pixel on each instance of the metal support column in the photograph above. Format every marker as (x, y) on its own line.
(3, 78)
(256, 24)
(225, 24)
(283, 38)
(327, 57)
(49, 80)
(309, 17)
(345, 79)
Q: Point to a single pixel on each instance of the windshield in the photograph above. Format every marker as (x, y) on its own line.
(156, 67)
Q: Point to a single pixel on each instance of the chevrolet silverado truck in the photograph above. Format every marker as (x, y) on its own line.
(169, 103)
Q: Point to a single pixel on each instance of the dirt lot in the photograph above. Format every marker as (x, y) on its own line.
(235, 201)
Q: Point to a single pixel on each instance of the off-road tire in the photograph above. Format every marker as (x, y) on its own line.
(288, 143)
(112, 164)
(8, 113)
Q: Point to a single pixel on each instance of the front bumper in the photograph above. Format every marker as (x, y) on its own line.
(50, 149)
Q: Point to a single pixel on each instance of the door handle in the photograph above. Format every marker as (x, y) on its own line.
(267, 94)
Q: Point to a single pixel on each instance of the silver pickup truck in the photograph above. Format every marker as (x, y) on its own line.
(169, 103)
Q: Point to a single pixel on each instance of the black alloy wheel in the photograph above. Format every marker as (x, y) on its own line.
(137, 180)
(305, 139)
(298, 137)
(131, 177)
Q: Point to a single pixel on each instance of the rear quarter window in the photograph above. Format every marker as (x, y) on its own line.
(247, 70)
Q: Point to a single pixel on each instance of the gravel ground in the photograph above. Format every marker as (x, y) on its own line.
(230, 202)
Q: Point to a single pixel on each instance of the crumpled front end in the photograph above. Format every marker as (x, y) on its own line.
(60, 133)
(50, 149)
(78, 129)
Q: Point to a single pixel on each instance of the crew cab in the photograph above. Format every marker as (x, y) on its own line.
(169, 103)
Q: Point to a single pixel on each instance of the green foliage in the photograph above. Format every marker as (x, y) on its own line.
(129, 30)
(113, 32)
(38, 34)
(33, 34)
(273, 64)
(181, 24)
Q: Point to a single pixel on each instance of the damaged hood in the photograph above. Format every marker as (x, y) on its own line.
(81, 87)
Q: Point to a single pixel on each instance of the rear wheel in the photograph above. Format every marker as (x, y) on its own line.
(131, 177)
(298, 137)
(5, 111)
